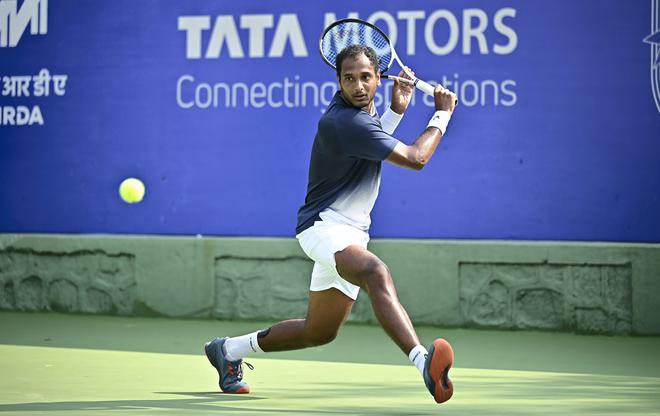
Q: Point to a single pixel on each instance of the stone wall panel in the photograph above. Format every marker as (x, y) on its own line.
(261, 287)
(591, 298)
(568, 286)
(75, 281)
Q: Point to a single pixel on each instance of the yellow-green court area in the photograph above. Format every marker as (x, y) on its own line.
(53, 364)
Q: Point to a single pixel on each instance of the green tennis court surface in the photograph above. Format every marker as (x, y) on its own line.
(79, 365)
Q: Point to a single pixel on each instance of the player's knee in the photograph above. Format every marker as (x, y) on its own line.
(378, 276)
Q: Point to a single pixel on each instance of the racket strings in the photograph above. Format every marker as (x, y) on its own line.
(346, 34)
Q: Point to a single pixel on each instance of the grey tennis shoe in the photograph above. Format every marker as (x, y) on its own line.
(230, 372)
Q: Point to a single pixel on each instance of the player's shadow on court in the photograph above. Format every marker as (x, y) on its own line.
(199, 401)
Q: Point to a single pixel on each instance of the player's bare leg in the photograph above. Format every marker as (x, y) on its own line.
(326, 312)
(363, 268)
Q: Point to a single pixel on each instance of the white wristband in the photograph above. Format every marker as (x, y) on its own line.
(440, 120)
(390, 120)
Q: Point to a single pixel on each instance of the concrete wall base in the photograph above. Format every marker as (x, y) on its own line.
(578, 287)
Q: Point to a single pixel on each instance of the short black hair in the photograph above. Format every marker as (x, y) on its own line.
(354, 51)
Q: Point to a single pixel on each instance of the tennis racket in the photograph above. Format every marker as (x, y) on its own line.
(347, 32)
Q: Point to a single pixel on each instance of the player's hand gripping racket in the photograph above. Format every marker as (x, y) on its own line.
(347, 32)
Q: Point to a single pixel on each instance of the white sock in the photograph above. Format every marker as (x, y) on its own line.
(237, 348)
(418, 357)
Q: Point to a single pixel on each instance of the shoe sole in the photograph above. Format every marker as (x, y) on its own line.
(442, 358)
(242, 390)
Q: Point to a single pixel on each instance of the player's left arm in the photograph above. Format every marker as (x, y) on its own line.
(401, 96)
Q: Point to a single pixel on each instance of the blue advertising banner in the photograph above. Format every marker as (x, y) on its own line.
(214, 106)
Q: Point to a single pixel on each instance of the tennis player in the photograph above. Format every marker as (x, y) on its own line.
(333, 224)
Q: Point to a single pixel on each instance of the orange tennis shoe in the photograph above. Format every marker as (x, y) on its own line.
(436, 370)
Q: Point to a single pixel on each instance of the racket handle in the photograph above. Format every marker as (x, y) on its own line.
(425, 87)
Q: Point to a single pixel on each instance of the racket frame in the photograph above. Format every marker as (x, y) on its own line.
(414, 81)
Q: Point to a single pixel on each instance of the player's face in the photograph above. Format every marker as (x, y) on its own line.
(358, 81)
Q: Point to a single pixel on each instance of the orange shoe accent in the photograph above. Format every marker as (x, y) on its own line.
(242, 390)
(443, 359)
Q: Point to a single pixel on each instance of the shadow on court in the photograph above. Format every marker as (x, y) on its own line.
(480, 392)
(199, 402)
(81, 365)
(506, 350)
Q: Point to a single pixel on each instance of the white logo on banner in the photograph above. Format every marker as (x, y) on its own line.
(15, 17)
(14, 20)
(225, 32)
(206, 36)
(654, 40)
(41, 84)
(267, 36)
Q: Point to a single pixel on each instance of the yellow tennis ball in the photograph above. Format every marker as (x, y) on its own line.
(131, 190)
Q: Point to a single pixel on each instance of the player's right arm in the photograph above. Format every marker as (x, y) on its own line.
(418, 154)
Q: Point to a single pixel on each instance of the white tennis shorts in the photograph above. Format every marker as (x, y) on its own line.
(320, 242)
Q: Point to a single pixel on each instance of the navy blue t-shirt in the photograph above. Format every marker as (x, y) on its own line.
(344, 170)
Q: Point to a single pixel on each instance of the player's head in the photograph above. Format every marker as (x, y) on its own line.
(358, 74)
(352, 52)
